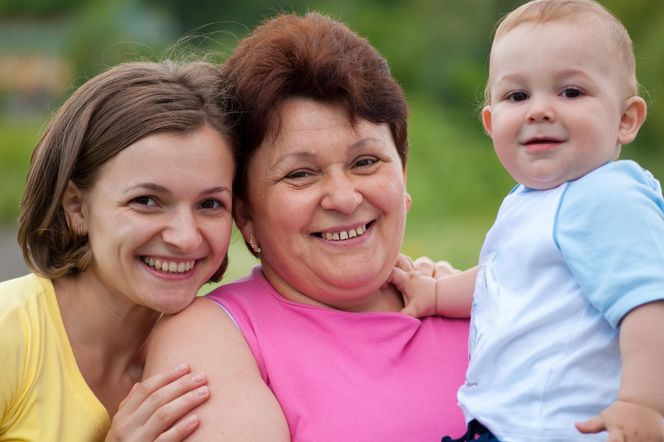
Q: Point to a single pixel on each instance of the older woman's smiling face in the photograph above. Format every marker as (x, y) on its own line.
(327, 205)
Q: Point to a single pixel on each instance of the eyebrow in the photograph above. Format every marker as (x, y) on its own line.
(158, 188)
(307, 155)
(516, 76)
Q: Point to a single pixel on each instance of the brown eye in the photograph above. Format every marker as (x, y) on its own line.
(211, 204)
(298, 174)
(365, 162)
(146, 201)
(571, 92)
(517, 96)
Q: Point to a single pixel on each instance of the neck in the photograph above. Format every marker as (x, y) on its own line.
(106, 330)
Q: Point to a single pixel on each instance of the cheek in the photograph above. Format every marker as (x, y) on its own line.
(272, 217)
(389, 195)
(219, 234)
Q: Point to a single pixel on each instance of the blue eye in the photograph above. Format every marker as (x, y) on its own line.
(517, 96)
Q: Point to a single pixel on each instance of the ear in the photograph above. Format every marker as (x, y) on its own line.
(632, 118)
(486, 119)
(72, 205)
(409, 199)
(243, 218)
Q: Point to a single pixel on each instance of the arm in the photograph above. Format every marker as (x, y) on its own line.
(241, 406)
(638, 412)
(454, 294)
(449, 296)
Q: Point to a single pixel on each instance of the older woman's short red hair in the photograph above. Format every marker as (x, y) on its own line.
(309, 56)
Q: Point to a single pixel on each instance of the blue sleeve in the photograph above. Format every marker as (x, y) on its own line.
(610, 231)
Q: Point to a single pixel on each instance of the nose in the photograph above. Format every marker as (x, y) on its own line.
(182, 230)
(541, 110)
(341, 194)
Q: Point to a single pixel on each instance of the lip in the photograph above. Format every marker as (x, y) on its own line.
(541, 144)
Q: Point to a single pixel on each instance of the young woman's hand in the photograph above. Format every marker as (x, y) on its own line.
(157, 408)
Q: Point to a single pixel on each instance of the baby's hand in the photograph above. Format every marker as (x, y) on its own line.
(417, 284)
(436, 269)
(626, 422)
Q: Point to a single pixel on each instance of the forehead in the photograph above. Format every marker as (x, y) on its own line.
(200, 153)
(554, 45)
(303, 122)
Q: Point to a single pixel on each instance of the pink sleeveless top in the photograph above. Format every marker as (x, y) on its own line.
(343, 376)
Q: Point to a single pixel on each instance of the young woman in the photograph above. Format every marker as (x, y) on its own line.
(126, 214)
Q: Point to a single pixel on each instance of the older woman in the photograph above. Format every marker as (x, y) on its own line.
(312, 344)
(126, 213)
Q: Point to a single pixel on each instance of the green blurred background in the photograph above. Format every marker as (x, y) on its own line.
(437, 49)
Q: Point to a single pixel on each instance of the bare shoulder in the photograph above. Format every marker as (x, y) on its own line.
(241, 405)
(199, 333)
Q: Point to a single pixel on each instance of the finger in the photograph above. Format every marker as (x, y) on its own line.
(141, 390)
(410, 310)
(180, 431)
(153, 404)
(398, 278)
(163, 419)
(404, 262)
(593, 425)
(424, 265)
(442, 269)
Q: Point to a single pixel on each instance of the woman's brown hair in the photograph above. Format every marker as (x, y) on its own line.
(103, 117)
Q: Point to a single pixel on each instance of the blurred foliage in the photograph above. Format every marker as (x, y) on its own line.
(106, 33)
(16, 142)
(437, 49)
(37, 8)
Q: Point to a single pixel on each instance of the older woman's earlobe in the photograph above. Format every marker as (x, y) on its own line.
(243, 219)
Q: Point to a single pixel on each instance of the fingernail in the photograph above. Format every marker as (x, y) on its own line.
(198, 377)
(202, 391)
(181, 367)
(191, 420)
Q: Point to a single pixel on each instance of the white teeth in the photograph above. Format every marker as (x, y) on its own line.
(169, 266)
(345, 234)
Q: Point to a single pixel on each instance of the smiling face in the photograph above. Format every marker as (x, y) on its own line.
(158, 218)
(327, 205)
(557, 102)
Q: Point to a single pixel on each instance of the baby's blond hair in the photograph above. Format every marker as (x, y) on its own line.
(573, 11)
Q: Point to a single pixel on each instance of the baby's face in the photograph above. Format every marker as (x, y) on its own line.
(556, 102)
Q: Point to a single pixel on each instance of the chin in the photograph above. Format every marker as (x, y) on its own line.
(368, 281)
(173, 306)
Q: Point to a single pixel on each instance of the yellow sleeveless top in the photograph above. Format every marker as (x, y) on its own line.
(43, 396)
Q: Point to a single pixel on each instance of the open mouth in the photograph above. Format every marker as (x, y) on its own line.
(344, 235)
(166, 266)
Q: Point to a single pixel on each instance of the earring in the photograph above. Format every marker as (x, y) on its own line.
(254, 244)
